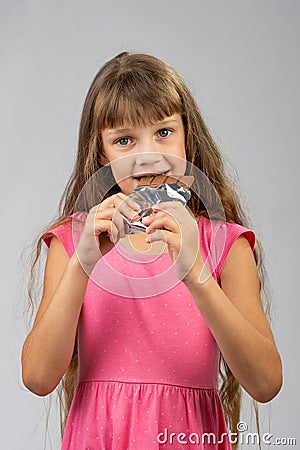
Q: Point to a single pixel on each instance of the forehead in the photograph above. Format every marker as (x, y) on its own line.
(168, 121)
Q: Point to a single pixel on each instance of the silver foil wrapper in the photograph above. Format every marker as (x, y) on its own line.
(151, 192)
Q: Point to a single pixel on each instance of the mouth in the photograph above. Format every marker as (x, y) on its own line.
(139, 176)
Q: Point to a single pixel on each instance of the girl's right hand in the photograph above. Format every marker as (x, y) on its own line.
(103, 227)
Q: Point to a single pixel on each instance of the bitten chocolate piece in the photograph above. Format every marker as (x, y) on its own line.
(156, 180)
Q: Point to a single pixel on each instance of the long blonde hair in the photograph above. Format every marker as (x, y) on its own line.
(138, 89)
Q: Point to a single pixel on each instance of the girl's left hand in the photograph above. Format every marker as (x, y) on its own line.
(171, 222)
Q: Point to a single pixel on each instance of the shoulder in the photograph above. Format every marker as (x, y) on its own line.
(219, 239)
(239, 252)
(240, 267)
(67, 231)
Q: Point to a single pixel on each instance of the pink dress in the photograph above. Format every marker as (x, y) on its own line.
(148, 363)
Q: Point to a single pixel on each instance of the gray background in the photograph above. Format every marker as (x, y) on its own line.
(240, 60)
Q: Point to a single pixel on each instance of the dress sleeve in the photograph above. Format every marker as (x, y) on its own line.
(64, 234)
(68, 232)
(232, 232)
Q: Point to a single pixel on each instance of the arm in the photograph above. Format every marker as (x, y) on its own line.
(48, 349)
(235, 316)
(234, 312)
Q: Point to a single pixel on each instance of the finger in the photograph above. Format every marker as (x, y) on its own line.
(102, 226)
(161, 235)
(103, 205)
(103, 221)
(115, 217)
(110, 214)
(163, 221)
(174, 208)
(114, 233)
(106, 213)
(129, 209)
(126, 206)
(106, 226)
(155, 215)
(112, 201)
(166, 206)
(118, 221)
(132, 204)
(158, 235)
(168, 217)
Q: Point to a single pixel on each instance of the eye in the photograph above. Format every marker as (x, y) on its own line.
(123, 141)
(164, 132)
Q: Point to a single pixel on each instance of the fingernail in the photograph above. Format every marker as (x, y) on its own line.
(134, 205)
(133, 215)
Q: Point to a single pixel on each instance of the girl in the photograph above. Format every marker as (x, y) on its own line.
(137, 328)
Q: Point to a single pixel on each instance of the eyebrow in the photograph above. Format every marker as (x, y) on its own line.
(128, 130)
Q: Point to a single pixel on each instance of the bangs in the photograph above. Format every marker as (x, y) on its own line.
(136, 99)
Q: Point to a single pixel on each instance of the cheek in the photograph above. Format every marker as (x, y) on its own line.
(182, 157)
(118, 173)
(180, 165)
(177, 162)
(179, 149)
(120, 168)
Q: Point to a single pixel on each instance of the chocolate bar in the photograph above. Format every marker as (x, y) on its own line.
(152, 190)
(156, 180)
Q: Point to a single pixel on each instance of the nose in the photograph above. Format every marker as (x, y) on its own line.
(147, 152)
(148, 158)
